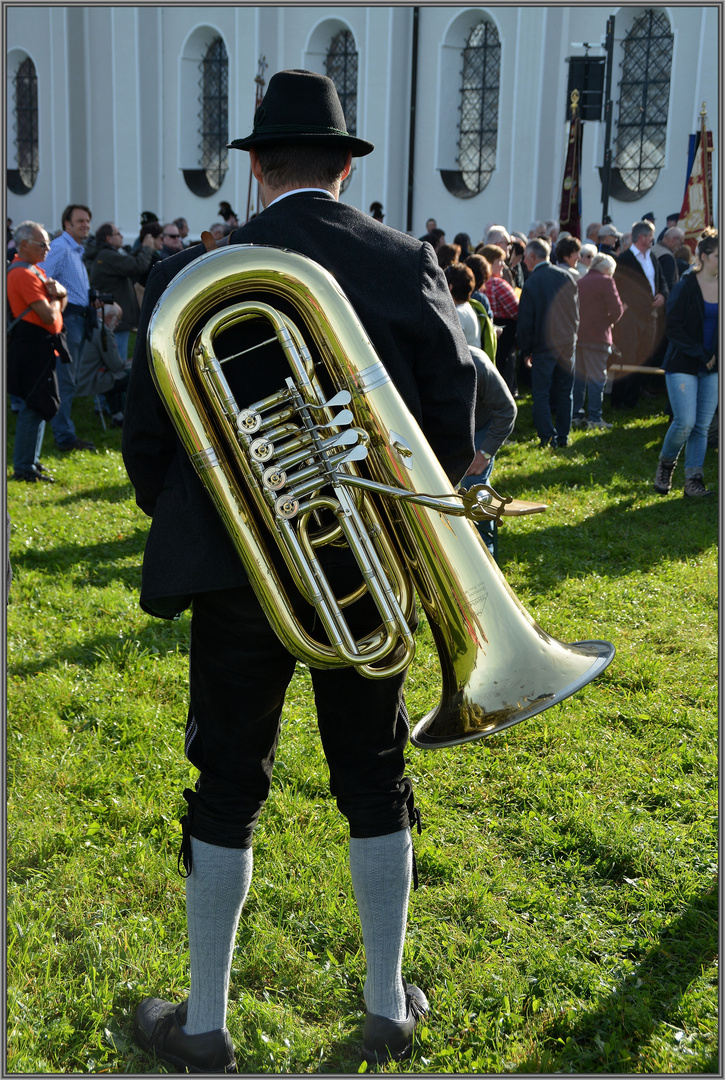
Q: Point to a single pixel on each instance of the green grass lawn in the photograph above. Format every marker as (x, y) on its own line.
(566, 919)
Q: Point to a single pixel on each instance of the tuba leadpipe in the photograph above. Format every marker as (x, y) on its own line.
(272, 466)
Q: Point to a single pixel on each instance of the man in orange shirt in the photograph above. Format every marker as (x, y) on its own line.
(37, 302)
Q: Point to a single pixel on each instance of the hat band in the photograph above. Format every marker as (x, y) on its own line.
(307, 129)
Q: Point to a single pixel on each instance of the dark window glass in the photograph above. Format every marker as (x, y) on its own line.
(341, 67)
(214, 113)
(23, 178)
(644, 98)
(479, 106)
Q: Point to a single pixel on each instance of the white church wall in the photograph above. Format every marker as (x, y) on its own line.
(118, 107)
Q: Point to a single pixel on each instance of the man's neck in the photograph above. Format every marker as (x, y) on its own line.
(275, 194)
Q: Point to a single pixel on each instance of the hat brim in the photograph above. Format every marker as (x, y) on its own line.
(358, 147)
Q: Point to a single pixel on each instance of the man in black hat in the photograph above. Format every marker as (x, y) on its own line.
(300, 152)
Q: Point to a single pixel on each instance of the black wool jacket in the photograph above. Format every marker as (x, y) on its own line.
(685, 328)
(399, 294)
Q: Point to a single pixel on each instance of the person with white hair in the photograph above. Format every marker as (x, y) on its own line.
(666, 251)
(584, 262)
(551, 232)
(36, 304)
(102, 367)
(599, 308)
(497, 234)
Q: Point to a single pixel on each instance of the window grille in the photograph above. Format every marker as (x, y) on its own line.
(479, 107)
(22, 179)
(341, 67)
(214, 113)
(644, 97)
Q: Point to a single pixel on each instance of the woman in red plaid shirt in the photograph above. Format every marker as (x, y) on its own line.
(504, 301)
(505, 309)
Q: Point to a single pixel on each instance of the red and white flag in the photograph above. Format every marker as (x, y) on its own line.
(696, 212)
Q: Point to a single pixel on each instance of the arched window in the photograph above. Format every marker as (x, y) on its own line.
(213, 121)
(341, 67)
(478, 123)
(644, 99)
(22, 179)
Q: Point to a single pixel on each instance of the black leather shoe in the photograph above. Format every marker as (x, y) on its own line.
(392, 1040)
(34, 477)
(77, 444)
(157, 1026)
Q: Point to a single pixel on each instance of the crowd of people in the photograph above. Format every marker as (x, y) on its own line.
(460, 331)
(594, 326)
(571, 319)
(74, 301)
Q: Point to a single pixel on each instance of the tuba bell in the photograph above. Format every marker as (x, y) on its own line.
(303, 469)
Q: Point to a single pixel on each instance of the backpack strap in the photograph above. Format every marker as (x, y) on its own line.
(20, 264)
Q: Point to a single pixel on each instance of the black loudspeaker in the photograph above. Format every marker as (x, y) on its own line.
(586, 74)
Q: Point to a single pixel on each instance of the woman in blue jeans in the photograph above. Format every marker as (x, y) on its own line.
(691, 368)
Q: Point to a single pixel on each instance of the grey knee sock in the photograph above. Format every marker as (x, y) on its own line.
(381, 868)
(215, 893)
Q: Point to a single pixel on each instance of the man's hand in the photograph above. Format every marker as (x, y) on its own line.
(527, 361)
(149, 241)
(479, 464)
(54, 289)
(658, 300)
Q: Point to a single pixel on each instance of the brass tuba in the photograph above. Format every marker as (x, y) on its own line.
(275, 468)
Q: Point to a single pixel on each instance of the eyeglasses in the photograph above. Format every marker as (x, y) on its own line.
(172, 235)
(40, 243)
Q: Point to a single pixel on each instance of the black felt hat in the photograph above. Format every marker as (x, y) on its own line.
(301, 108)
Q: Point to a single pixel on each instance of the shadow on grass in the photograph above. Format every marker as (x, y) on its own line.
(112, 493)
(94, 564)
(616, 1030)
(619, 541)
(159, 638)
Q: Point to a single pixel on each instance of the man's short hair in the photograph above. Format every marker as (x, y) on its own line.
(640, 228)
(103, 232)
(539, 249)
(461, 281)
(68, 213)
(674, 233)
(306, 166)
(567, 247)
(24, 231)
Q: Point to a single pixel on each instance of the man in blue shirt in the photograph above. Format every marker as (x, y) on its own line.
(64, 262)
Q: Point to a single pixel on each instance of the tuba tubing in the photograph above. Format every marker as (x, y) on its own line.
(498, 666)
